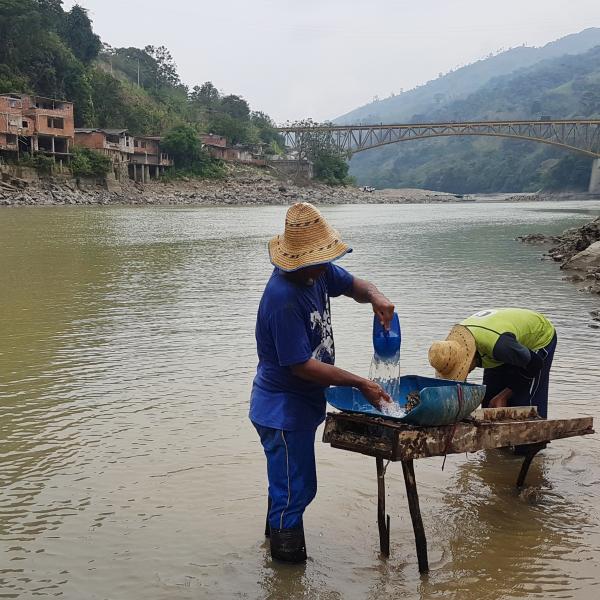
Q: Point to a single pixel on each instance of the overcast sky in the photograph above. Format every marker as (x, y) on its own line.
(322, 58)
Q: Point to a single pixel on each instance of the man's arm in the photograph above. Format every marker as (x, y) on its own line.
(366, 292)
(326, 374)
(509, 351)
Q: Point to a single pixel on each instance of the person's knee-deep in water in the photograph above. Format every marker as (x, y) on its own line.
(296, 356)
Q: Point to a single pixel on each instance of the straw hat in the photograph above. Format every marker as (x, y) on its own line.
(308, 240)
(453, 357)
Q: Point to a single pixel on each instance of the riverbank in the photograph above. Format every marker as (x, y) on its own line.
(578, 252)
(242, 186)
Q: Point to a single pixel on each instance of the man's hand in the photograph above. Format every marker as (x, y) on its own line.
(374, 393)
(383, 308)
(364, 291)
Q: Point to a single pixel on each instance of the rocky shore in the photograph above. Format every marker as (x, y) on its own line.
(578, 252)
(242, 186)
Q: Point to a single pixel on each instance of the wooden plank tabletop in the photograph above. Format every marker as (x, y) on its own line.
(489, 428)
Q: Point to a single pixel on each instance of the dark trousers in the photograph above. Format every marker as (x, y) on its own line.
(292, 473)
(526, 391)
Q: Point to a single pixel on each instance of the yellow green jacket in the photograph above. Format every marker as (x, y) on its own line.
(530, 329)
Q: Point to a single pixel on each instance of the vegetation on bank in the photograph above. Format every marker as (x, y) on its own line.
(55, 53)
(329, 166)
(89, 163)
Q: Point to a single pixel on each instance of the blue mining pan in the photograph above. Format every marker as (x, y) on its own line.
(439, 402)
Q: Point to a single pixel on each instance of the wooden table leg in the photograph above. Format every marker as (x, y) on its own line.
(532, 450)
(415, 514)
(383, 522)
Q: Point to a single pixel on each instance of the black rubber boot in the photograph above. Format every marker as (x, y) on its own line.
(267, 526)
(288, 545)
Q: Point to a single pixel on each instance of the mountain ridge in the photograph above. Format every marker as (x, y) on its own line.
(465, 80)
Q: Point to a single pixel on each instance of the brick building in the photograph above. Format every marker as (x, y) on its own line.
(30, 124)
(147, 161)
(114, 143)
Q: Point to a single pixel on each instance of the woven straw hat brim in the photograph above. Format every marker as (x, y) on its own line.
(288, 261)
(308, 240)
(460, 369)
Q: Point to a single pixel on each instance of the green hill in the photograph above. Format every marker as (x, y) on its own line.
(561, 87)
(463, 81)
(55, 53)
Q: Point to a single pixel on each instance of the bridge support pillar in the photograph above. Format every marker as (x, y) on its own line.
(595, 178)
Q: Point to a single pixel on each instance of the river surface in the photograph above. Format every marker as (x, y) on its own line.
(129, 470)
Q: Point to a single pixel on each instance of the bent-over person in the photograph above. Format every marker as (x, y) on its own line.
(515, 347)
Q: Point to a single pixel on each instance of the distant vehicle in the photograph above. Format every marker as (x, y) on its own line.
(545, 118)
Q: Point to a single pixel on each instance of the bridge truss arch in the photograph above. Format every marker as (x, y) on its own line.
(576, 135)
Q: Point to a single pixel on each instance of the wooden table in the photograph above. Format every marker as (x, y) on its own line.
(485, 429)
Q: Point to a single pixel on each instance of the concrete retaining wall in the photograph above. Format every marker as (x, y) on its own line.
(595, 178)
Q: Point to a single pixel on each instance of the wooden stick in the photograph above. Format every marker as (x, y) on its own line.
(415, 515)
(384, 528)
(531, 452)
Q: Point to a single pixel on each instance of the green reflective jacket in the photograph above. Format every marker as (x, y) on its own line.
(532, 330)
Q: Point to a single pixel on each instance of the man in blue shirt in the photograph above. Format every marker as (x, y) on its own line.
(296, 356)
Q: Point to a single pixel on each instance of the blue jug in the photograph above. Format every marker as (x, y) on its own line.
(386, 344)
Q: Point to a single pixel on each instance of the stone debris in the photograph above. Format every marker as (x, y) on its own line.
(412, 400)
(578, 251)
(242, 186)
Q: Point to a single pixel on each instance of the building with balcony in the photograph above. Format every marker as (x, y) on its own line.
(31, 124)
(147, 161)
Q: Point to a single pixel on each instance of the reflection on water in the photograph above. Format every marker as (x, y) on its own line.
(128, 468)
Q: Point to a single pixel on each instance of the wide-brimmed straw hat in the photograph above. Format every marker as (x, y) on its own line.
(308, 240)
(453, 357)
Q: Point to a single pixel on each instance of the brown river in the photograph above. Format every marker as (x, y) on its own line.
(129, 469)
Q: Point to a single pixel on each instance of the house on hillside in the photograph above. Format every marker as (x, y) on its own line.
(147, 160)
(217, 147)
(31, 124)
(115, 143)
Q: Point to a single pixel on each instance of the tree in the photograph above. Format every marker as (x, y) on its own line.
(184, 145)
(78, 34)
(235, 106)
(206, 94)
(236, 131)
(266, 128)
(331, 168)
(317, 145)
(166, 70)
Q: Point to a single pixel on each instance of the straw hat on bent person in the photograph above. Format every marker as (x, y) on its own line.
(452, 358)
(308, 240)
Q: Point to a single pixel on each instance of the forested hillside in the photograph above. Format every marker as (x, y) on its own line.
(459, 83)
(55, 53)
(561, 87)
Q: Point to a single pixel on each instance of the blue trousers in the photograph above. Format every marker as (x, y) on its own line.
(292, 473)
(526, 392)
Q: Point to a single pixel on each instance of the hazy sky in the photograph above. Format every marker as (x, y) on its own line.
(322, 58)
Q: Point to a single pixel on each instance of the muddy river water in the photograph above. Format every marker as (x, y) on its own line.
(129, 470)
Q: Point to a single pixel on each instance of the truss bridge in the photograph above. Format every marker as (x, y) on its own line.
(575, 135)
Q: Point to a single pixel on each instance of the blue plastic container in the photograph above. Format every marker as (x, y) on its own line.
(386, 344)
(439, 400)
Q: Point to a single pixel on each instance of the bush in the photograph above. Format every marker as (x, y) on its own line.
(212, 169)
(89, 163)
(40, 162)
(184, 145)
(331, 168)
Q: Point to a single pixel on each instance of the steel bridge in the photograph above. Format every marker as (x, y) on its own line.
(576, 135)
